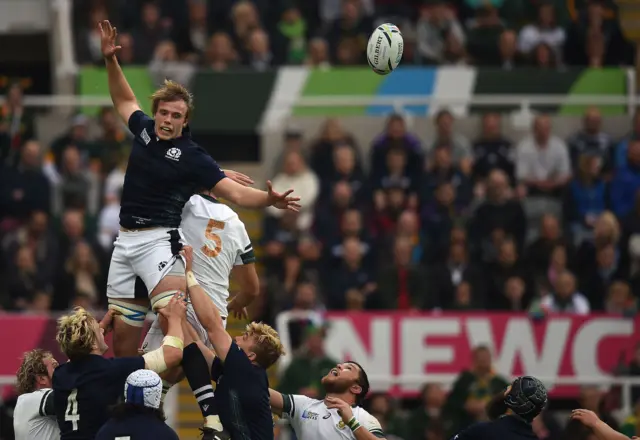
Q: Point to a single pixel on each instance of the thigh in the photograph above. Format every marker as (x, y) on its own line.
(154, 260)
(121, 281)
(153, 338)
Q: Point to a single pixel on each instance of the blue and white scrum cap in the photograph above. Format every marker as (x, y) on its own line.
(143, 387)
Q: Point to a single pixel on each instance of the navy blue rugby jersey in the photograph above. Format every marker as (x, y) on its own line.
(162, 175)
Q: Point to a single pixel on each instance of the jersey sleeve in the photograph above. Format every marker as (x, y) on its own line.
(476, 431)
(371, 424)
(120, 368)
(245, 253)
(138, 121)
(46, 407)
(205, 171)
(294, 404)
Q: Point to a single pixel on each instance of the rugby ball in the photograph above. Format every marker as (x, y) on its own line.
(384, 50)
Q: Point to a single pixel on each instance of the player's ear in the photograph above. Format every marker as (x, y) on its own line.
(252, 356)
(356, 389)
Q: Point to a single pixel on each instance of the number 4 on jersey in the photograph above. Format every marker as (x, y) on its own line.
(210, 235)
(71, 414)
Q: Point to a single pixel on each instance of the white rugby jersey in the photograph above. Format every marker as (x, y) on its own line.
(29, 419)
(312, 420)
(220, 242)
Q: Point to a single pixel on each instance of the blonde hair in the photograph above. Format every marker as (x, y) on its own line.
(76, 335)
(31, 367)
(267, 345)
(171, 91)
(610, 219)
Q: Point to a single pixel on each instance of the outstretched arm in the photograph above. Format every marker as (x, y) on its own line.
(206, 311)
(600, 428)
(124, 100)
(254, 198)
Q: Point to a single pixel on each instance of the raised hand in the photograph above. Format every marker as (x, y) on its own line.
(176, 309)
(108, 35)
(187, 254)
(283, 200)
(236, 311)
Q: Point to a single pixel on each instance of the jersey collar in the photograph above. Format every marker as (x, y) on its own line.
(209, 198)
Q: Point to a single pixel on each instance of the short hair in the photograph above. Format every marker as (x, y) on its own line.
(267, 346)
(363, 381)
(75, 334)
(171, 91)
(32, 365)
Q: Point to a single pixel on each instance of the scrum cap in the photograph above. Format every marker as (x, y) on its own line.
(527, 397)
(144, 388)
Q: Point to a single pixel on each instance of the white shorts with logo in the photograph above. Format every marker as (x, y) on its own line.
(140, 260)
(154, 336)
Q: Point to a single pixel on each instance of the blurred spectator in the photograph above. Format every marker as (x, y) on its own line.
(332, 134)
(350, 279)
(620, 300)
(166, 65)
(73, 232)
(438, 219)
(76, 188)
(538, 253)
(432, 398)
(629, 249)
(16, 125)
(442, 170)
(514, 295)
(81, 277)
(109, 222)
(446, 137)
(280, 240)
(349, 32)
(545, 30)
(259, 55)
(149, 33)
(492, 150)
(437, 24)
(127, 55)
(191, 36)
(446, 278)
(328, 217)
(558, 263)
(220, 54)
(466, 403)
(544, 57)
(25, 189)
(408, 227)
(505, 268)
(293, 140)
(87, 38)
(620, 152)
(37, 236)
(483, 37)
(592, 140)
(586, 198)
(401, 286)
(397, 175)
(351, 225)
(113, 143)
(626, 181)
(77, 135)
(245, 20)
(292, 30)
(542, 161)
(631, 424)
(381, 407)
(345, 169)
(592, 398)
(24, 283)
(318, 54)
(308, 366)
(385, 219)
(509, 57)
(295, 174)
(498, 211)
(115, 179)
(565, 298)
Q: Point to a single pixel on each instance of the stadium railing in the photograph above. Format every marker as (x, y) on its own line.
(398, 102)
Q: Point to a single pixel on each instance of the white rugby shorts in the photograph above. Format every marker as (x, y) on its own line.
(140, 260)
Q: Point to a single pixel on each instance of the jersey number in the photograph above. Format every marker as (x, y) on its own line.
(71, 414)
(209, 234)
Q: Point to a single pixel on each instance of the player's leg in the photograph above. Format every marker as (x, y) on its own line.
(128, 298)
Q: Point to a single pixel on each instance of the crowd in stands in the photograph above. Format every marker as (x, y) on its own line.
(174, 37)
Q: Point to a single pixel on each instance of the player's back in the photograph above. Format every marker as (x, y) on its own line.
(85, 388)
(504, 428)
(29, 420)
(219, 240)
(136, 427)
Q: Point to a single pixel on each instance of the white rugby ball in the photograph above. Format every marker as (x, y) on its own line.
(384, 50)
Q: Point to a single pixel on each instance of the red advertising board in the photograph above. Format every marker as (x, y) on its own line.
(401, 351)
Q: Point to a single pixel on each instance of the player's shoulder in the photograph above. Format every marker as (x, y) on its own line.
(476, 430)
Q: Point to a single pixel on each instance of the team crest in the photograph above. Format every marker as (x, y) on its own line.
(173, 154)
(145, 136)
(341, 425)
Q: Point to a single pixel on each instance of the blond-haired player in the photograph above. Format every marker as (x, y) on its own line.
(239, 367)
(165, 168)
(34, 416)
(88, 384)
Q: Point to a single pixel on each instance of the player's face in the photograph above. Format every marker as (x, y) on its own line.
(170, 119)
(51, 364)
(101, 345)
(246, 343)
(341, 378)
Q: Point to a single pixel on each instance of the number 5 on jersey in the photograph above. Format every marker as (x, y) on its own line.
(209, 234)
(71, 414)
